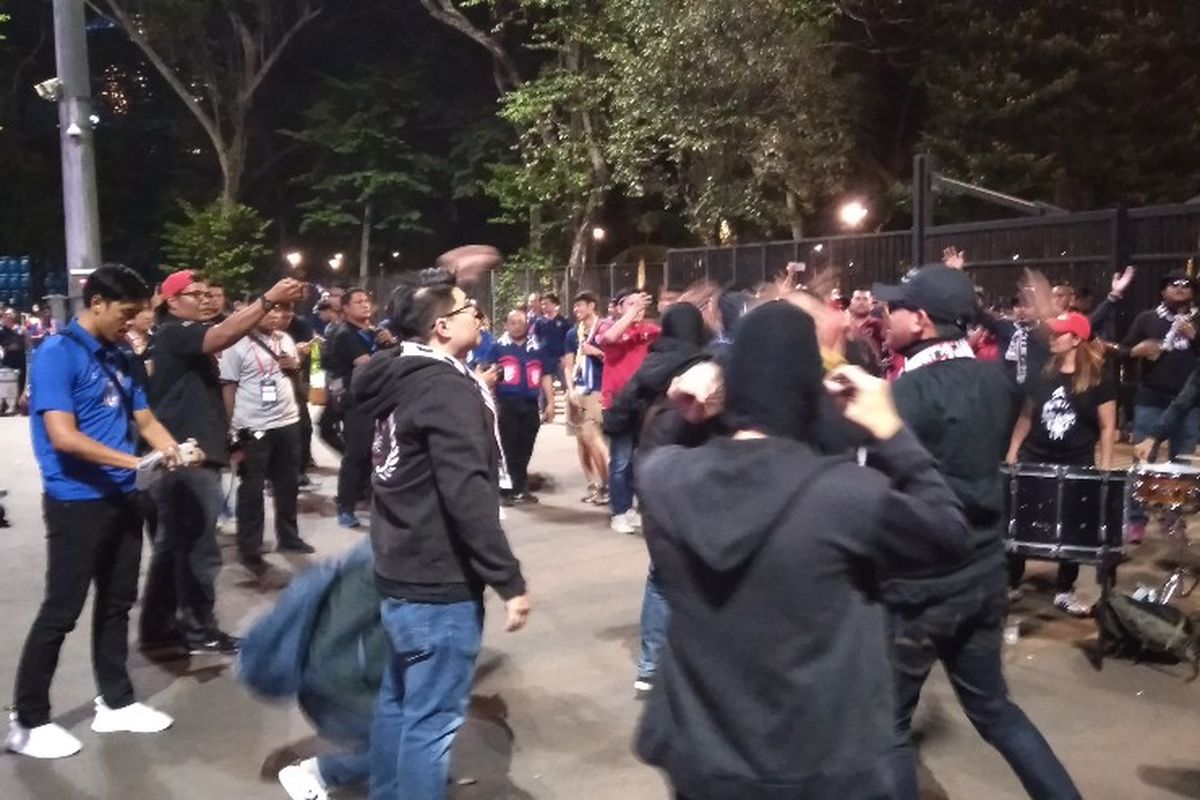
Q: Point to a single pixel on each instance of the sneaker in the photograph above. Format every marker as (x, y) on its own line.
(592, 491)
(44, 741)
(601, 498)
(1068, 602)
(635, 519)
(525, 499)
(642, 686)
(1135, 533)
(214, 642)
(303, 781)
(298, 546)
(133, 718)
(347, 519)
(620, 524)
(306, 484)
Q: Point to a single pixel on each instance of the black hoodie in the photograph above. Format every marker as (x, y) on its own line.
(435, 516)
(775, 682)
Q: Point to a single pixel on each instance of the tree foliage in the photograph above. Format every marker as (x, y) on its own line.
(369, 175)
(226, 243)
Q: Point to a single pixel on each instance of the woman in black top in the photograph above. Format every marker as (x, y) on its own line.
(1071, 408)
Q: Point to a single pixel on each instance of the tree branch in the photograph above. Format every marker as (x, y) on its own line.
(309, 14)
(113, 9)
(507, 76)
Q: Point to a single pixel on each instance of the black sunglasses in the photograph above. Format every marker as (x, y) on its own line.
(1181, 283)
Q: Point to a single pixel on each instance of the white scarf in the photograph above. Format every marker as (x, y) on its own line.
(531, 342)
(1018, 350)
(1173, 341)
(415, 350)
(935, 353)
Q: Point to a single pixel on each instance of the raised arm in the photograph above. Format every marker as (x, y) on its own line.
(241, 322)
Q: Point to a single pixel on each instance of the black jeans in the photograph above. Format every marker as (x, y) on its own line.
(273, 454)
(181, 581)
(965, 633)
(330, 424)
(86, 541)
(520, 420)
(1064, 579)
(306, 426)
(355, 473)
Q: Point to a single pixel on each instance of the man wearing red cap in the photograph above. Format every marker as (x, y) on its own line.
(185, 394)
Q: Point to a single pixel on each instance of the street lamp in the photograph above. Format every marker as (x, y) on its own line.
(335, 263)
(395, 254)
(852, 213)
(598, 234)
(294, 258)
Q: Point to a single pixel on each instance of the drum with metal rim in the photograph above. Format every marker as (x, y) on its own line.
(1063, 513)
(1167, 487)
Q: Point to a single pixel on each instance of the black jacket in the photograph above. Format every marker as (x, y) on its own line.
(435, 517)
(775, 683)
(667, 358)
(963, 412)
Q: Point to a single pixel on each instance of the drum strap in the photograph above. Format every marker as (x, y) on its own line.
(942, 351)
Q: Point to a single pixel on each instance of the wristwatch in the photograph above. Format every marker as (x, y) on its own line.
(266, 304)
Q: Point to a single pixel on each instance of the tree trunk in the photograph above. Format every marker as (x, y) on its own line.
(583, 233)
(233, 164)
(794, 217)
(364, 254)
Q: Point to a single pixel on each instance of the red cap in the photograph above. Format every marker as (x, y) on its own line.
(176, 282)
(1072, 323)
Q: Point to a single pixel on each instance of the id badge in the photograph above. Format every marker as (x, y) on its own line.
(270, 393)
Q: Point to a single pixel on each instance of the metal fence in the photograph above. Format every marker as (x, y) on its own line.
(1082, 249)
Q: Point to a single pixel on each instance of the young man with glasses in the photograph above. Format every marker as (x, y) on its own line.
(435, 532)
(185, 393)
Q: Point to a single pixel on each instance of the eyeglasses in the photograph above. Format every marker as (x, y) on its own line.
(468, 306)
(196, 294)
(1181, 284)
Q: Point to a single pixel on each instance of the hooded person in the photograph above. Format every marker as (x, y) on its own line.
(775, 680)
(680, 346)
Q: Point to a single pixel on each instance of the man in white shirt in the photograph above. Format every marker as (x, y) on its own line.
(260, 399)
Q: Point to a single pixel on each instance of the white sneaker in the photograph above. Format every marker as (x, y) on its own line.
(303, 781)
(133, 718)
(1068, 602)
(44, 741)
(620, 524)
(634, 518)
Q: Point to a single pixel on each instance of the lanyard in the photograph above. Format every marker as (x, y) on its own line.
(114, 378)
(272, 367)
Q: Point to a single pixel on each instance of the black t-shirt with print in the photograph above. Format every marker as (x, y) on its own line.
(185, 388)
(1066, 426)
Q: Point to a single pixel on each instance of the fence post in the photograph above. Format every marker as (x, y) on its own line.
(922, 203)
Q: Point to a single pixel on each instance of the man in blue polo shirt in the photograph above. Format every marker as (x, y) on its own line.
(524, 384)
(87, 413)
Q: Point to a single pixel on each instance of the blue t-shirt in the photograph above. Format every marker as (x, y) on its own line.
(589, 370)
(521, 367)
(551, 333)
(479, 354)
(74, 372)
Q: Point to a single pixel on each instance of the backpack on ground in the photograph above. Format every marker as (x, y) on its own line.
(1143, 630)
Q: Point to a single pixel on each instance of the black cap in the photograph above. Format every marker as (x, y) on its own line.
(1177, 275)
(946, 295)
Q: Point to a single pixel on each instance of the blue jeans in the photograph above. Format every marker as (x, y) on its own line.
(353, 731)
(655, 615)
(620, 474)
(424, 697)
(1182, 439)
(965, 633)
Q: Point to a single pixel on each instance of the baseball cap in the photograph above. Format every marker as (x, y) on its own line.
(1072, 323)
(946, 295)
(176, 282)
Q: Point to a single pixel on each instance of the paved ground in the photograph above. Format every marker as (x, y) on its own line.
(553, 714)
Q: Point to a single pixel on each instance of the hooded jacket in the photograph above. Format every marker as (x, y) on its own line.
(775, 683)
(435, 515)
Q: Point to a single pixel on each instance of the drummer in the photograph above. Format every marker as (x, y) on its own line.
(1068, 410)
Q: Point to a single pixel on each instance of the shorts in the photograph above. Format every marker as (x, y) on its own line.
(586, 416)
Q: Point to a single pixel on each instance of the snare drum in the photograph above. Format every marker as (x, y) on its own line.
(1167, 487)
(1064, 513)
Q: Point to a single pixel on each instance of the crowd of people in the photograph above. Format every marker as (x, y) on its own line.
(828, 469)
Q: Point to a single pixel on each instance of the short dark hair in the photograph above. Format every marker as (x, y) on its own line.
(622, 293)
(348, 295)
(417, 303)
(551, 296)
(115, 283)
(586, 297)
(211, 281)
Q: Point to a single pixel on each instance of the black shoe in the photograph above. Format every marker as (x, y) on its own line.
(506, 500)
(525, 499)
(214, 642)
(172, 640)
(305, 483)
(298, 546)
(252, 562)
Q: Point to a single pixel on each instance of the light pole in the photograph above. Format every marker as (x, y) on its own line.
(81, 209)
(852, 213)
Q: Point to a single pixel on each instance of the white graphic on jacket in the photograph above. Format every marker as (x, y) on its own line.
(1058, 416)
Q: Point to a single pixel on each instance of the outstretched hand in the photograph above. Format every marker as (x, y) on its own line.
(1122, 279)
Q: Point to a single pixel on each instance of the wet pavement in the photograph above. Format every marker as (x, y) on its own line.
(553, 712)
